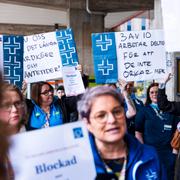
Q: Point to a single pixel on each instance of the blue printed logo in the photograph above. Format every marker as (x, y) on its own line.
(78, 133)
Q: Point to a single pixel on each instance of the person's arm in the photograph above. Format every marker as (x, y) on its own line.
(163, 103)
(140, 124)
(139, 136)
(131, 109)
(24, 88)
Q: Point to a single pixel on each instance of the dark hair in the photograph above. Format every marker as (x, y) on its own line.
(148, 99)
(86, 101)
(61, 87)
(36, 91)
(11, 87)
(4, 146)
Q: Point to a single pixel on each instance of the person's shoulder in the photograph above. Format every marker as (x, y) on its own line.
(135, 145)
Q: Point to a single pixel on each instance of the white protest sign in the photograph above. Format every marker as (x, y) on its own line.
(171, 16)
(141, 55)
(61, 152)
(42, 59)
(73, 82)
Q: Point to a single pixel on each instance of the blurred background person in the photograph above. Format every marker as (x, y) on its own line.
(13, 108)
(171, 107)
(114, 151)
(12, 121)
(156, 128)
(60, 91)
(68, 103)
(129, 90)
(4, 145)
(121, 87)
(130, 109)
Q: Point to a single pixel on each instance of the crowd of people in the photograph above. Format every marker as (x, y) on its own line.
(129, 139)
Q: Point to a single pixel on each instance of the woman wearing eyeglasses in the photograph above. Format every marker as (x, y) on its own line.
(12, 109)
(115, 152)
(12, 116)
(43, 110)
(156, 128)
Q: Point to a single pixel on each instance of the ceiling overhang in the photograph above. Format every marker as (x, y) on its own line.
(120, 5)
(94, 5)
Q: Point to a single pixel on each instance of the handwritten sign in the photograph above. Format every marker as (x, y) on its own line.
(42, 60)
(171, 15)
(141, 55)
(133, 55)
(73, 82)
(61, 152)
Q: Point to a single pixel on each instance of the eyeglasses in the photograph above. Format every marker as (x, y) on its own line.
(47, 92)
(60, 91)
(102, 116)
(8, 106)
(153, 92)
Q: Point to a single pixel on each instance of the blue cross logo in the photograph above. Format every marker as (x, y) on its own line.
(66, 53)
(11, 67)
(12, 46)
(78, 133)
(104, 42)
(105, 67)
(151, 175)
(63, 37)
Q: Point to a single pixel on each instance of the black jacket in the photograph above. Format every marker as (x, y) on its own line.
(168, 106)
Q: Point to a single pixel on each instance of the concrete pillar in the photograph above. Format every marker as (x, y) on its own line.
(157, 23)
(83, 24)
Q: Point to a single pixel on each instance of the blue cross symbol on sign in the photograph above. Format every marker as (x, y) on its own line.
(78, 133)
(105, 67)
(67, 54)
(12, 46)
(63, 37)
(104, 42)
(11, 67)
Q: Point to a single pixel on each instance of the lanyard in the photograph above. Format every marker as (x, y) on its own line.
(47, 121)
(158, 113)
(122, 173)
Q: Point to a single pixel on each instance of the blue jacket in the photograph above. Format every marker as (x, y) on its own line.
(142, 164)
(57, 109)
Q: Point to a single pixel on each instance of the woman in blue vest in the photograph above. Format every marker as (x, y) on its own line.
(43, 109)
(156, 128)
(115, 152)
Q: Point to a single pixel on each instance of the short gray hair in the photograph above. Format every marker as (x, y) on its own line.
(86, 101)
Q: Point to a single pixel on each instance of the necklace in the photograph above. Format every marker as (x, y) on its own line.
(119, 163)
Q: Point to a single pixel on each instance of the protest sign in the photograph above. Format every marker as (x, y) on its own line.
(73, 82)
(11, 50)
(138, 55)
(141, 55)
(46, 53)
(171, 15)
(105, 58)
(61, 152)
